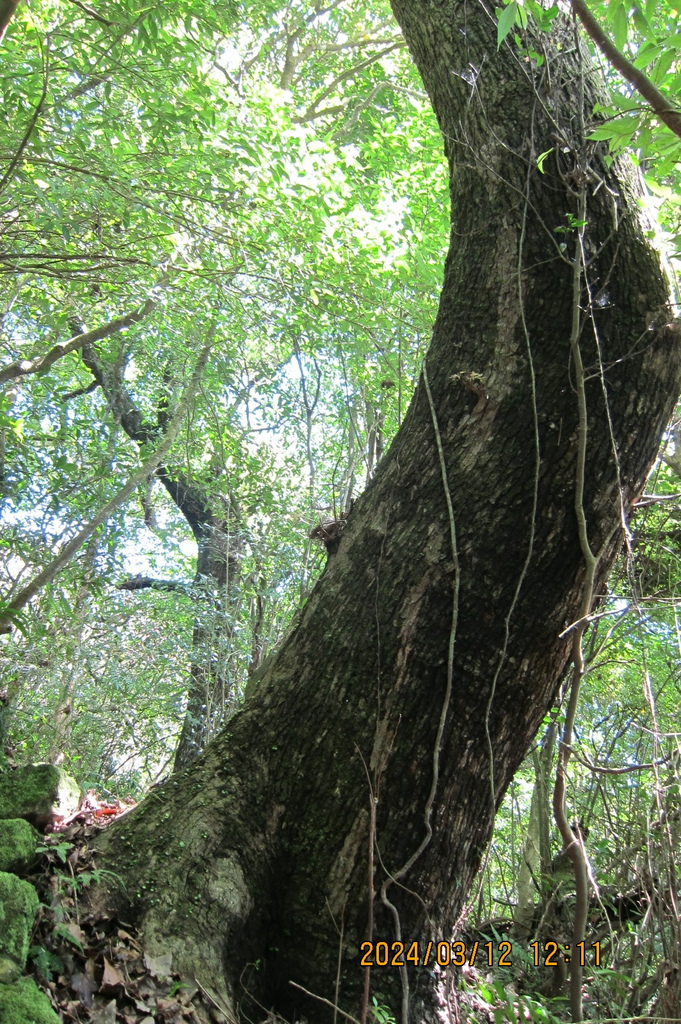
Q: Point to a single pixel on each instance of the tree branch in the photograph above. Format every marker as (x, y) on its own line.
(8, 612)
(27, 134)
(92, 13)
(121, 405)
(148, 583)
(657, 100)
(310, 113)
(40, 363)
(626, 770)
(189, 498)
(68, 395)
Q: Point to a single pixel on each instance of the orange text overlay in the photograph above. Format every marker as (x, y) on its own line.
(457, 954)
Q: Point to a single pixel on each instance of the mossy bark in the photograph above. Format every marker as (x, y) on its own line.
(258, 854)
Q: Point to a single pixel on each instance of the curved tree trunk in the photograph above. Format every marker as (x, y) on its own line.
(259, 852)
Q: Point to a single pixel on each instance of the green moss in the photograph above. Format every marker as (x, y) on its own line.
(18, 907)
(37, 789)
(18, 841)
(24, 1003)
(9, 970)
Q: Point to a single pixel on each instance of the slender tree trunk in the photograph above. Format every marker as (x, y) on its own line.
(213, 687)
(430, 650)
(535, 858)
(63, 718)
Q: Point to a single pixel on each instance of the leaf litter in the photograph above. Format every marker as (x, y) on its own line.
(93, 967)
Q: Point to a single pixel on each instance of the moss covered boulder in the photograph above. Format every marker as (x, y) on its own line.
(18, 841)
(39, 793)
(18, 907)
(24, 1003)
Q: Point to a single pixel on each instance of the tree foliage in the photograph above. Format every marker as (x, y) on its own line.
(279, 179)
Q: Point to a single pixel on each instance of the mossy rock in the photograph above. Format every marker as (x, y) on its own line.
(18, 841)
(38, 792)
(9, 970)
(24, 1003)
(18, 907)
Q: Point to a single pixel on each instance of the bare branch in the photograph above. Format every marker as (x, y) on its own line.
(310, 113)
(354, 44)
(324, 112)
(68, 395)
(626, 770)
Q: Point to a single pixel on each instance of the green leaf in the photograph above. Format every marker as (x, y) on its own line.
(487, 993)
(620, 26)
(18, 619)
(542, 157)
(620, 128)
(507, 19)
(662, 67)
(642, 24)
(500, 989)
(647, 54)
(62, 931)
(603, 134)
(623, 102)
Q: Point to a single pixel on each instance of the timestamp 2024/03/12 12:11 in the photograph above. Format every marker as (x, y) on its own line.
(457, 954)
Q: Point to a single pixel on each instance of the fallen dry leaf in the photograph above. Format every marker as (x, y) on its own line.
(112, 977)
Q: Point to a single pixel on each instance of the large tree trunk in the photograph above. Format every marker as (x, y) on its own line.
(259, 852)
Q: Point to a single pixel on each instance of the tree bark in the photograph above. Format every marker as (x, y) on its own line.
(258, 853)
(7, 10)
